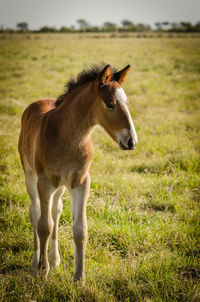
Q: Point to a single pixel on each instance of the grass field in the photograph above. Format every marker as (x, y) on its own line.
(143, 211)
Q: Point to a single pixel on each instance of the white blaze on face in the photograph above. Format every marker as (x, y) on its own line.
(122, 98)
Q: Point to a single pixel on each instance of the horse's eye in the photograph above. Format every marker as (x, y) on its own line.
(109, 105)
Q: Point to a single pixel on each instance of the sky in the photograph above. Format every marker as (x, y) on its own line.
(57, 13)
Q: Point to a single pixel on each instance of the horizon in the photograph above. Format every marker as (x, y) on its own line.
(66, 13)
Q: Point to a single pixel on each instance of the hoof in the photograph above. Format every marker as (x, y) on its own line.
(78, 278)
(34, 272)
(44, 270)
(35, 267)
(43, 274)
(54, 261)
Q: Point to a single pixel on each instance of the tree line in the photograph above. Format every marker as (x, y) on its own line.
(126, 26)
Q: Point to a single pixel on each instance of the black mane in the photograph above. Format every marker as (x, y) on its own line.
(83, 77)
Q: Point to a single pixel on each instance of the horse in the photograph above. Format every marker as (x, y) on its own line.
(56, 152)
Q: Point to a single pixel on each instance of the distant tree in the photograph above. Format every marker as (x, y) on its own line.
(173, 26)
(132, 28)
(65, 29)
(126, 23)
(187, 26)
(177, 27)
(166, 23)
(109, 26)
(93, 29)
(141, 27)
(47, 29)
(128, 26)
(197, 27)
(148, 27)
(158, 25)
(83, 24)
(23, 26)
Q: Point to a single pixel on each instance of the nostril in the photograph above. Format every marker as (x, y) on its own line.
(130, 143)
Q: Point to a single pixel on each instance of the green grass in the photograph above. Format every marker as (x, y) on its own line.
(143, 211)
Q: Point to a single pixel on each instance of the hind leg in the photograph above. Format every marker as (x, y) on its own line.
(31, 184)
(57, 206)
(45, 224)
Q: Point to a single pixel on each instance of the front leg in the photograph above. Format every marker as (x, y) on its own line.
(79, 196)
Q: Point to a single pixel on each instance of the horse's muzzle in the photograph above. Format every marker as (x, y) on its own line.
(129, 147)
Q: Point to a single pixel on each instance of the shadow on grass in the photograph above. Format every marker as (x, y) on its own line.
(189, 272)
(16, 247)
(15, 268)
(162, 207)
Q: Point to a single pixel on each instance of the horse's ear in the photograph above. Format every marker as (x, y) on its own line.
(120, 76)
(105, 76)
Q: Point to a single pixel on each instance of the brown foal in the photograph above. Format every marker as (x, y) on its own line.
(56, 152)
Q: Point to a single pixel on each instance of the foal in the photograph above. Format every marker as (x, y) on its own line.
(56, 152)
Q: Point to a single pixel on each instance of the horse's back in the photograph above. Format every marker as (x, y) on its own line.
(31, 124)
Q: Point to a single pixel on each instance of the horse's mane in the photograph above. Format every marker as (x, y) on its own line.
(86, 76)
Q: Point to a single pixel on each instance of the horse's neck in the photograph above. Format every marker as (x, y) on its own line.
(76, 114)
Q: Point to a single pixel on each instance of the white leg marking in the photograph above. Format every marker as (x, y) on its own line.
(79, 199)
(54, 256)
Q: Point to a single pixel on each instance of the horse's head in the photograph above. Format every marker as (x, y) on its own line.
(112, 109)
